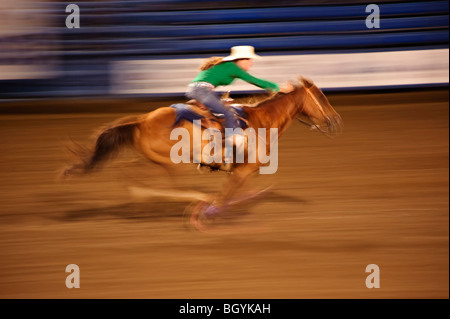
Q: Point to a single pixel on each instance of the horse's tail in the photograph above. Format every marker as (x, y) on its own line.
(109, 142)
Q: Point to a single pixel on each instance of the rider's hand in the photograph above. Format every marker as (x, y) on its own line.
(286, 88)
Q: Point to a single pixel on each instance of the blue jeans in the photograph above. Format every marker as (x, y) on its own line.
(209, 99)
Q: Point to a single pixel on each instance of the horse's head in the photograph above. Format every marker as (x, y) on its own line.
(318, 111)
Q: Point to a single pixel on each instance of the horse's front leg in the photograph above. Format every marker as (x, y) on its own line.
(235, 183)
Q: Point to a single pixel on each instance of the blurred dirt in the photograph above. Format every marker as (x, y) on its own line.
(377, 194)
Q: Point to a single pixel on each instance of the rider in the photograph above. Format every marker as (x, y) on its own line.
(218, 71)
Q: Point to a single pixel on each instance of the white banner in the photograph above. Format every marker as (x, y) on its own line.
(347, 70)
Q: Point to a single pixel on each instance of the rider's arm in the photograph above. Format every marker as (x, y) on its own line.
(264, 84)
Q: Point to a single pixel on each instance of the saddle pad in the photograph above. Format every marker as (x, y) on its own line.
(185, 112)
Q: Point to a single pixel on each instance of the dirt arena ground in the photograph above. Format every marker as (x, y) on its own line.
(377, 194)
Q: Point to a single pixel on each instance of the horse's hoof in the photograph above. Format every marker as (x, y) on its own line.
(211, 210)
(201, 217)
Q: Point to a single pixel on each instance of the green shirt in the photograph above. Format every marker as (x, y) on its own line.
(225, 73)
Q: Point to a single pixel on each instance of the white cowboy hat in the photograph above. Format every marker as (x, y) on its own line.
(241, 52)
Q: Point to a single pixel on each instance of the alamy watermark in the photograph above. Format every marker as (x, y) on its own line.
(73, 19)
(212, 152)
(373, 279)
(73, 279)
(373, 19)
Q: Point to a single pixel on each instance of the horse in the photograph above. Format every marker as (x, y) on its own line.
(150, 134)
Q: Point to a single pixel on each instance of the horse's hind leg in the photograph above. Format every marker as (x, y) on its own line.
(176, 186)
(162, 161)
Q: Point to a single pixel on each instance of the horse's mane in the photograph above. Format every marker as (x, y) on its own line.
(258, 101)
(276, 108)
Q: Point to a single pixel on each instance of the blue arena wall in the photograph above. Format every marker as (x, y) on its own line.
(51, 60)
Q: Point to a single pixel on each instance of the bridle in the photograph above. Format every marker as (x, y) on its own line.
(313, 126)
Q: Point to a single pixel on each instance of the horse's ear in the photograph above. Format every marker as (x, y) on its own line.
(306, 82)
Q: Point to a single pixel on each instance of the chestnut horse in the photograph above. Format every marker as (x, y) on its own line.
(150, 134)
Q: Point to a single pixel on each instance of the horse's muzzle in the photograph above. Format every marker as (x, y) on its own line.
(336, 125)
